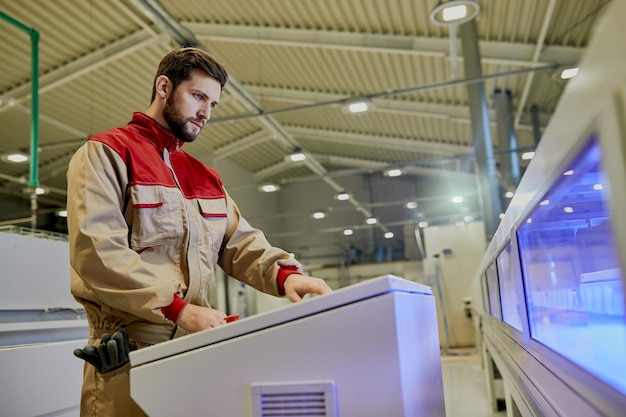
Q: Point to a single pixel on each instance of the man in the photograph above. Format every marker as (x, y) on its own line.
(148, 223)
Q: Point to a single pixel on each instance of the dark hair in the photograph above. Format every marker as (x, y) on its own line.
(179, 64)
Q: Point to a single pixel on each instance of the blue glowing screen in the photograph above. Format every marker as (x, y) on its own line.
(571, 271)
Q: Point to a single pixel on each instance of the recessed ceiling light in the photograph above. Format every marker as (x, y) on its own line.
(348, 232)
(388, 235)
(269, 188)
(568, 73)
(343, 196)
(411, 205)
(15, 157)
(358, 106)
(395, 172)
(318, 215)
(371, 220)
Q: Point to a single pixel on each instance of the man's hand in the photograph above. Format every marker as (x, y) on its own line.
(297, 286)
(111, 354)
(194, 318)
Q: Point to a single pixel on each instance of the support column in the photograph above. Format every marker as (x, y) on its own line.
(507, 137)
(486, 173)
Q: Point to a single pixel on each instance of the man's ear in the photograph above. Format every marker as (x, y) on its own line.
(162, 85)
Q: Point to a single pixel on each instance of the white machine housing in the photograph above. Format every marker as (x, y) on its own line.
(370, 349)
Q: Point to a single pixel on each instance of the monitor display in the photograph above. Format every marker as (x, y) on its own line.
(510, 297)
(571, 270)
(493, 290)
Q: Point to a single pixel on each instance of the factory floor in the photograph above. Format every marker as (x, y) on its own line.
(464, 387)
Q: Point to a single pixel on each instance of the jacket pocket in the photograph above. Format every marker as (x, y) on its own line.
(214, 217)
(156, 216)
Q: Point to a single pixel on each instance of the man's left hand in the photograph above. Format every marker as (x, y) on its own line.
(297, 286)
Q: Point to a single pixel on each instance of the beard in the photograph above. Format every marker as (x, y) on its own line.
(177, 122)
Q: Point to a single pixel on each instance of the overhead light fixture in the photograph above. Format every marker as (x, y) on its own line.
(423, 224)
(388, 235)
(358, 106)
(509, 194)
(411, 205)
(457, 199)
(342, 196)
(454, 12)
(451, 14)
(526, 156)
(568, 73)
(348, 232)
(269, 187)
(38, 190)
(394, 172)
(318, 215)
(371, 220)
(297, 155)
(15, 157)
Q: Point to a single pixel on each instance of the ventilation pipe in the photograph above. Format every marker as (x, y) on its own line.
(33, 181)
(481, 134)
(507, 136)
(534, 113)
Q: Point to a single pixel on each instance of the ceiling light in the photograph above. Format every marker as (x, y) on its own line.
(568, 172)
(468, 219)
(544, 202)
(395, 172)
(509, 194)
(38, 190)
(388, 235)
(318, 215)
(457, 200)
(16, 157)
(269, 187)
(528, 155)
(568, 73)
(598, 187)
(411, 205)
(423, 224)
(348, 232)
(454, 12)
(342, 196)
(297, 155)
(358, 106)
(568, 209)
(371, 220)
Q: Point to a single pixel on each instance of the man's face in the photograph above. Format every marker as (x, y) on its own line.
(188, 107)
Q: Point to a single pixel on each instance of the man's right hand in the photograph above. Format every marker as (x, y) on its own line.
(194, 318)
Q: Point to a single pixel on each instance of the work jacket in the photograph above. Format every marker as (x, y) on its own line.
(146, 221)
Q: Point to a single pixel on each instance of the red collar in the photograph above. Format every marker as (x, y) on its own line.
(154, 133)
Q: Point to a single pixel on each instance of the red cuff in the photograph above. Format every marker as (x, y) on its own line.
(172, 311)
(283, 273)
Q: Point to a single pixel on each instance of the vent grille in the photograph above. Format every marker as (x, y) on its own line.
(294, 399)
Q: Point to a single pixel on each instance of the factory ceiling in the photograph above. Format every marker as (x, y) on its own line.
(294, 66)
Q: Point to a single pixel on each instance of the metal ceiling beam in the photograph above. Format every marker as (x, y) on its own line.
(358, 139)
(539, 46)
(83, 65)
(493, 52)
(410, 108)
(240, 144)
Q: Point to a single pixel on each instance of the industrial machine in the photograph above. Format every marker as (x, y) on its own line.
(370, 349)
(552, 281)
